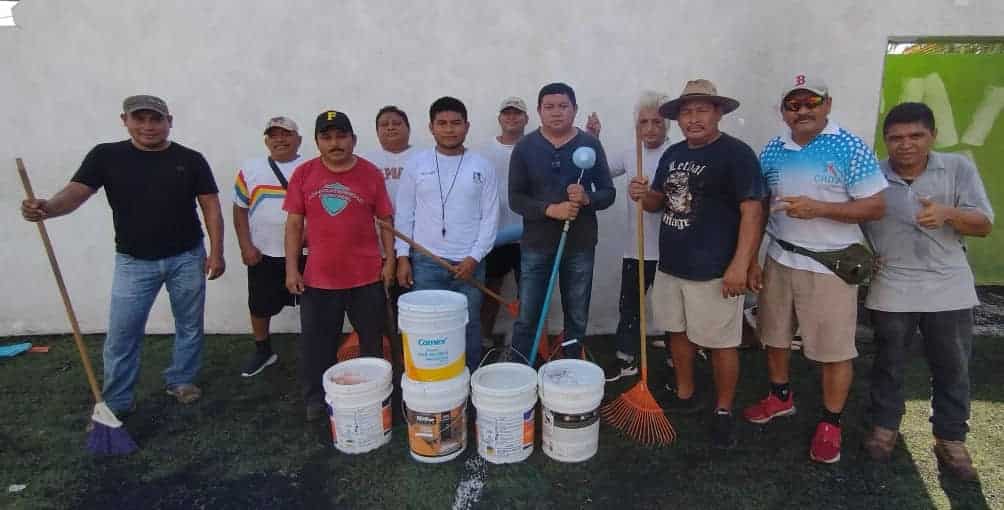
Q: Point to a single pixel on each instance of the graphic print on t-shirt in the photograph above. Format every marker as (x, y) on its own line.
(682, 194)
(335, 197)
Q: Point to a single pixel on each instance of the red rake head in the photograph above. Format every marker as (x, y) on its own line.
(638, 415)
(513, 308)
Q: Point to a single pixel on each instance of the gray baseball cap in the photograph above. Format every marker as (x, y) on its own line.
(144, 102)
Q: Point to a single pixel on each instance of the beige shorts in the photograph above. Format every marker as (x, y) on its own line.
(822, 306)
(697, 308)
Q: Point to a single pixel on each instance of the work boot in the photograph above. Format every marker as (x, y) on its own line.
(880, 443)
(954, 460)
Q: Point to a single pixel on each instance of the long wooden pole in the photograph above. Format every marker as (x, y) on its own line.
(77, 338)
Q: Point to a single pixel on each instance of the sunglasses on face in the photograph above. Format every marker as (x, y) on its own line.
(810, 103)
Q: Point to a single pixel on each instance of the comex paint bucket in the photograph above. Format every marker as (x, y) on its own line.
(570, 395)
(358, 392)
(437, 416)
(432, 331)
(505, 395)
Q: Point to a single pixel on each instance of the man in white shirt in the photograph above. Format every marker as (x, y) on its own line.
(504, 257)
(448, 202)
(653, 130)
(259, 221)
(394, 132)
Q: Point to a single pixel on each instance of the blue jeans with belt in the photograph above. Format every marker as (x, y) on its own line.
(575, 278)
(135, 286)
(431, 276)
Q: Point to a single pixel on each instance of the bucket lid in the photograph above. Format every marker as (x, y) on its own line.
(432, 301)
(448, 388)
(571, 376)
(359, 375)
(504, 379)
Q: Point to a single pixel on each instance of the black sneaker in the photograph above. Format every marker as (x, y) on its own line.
(258, 361)
(620, 367)
(673, 404)
(723, 435)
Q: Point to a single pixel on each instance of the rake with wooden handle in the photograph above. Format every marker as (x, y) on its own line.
(107, 436)
(636, 411)
(511, 306)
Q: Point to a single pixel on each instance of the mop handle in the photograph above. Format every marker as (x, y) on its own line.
(77, 338)
(641, 266)
(438, 260)
(550, 283)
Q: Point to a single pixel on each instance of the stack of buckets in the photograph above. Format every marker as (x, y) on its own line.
(436, 381)
(436, 385)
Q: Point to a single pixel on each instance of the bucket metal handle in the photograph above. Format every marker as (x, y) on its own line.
(506, 350)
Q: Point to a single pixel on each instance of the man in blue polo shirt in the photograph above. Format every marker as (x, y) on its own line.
(925, 282)
(824, 182)
(544, 188)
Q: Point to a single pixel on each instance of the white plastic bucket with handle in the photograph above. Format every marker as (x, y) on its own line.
(505, 395)
(433, 326)
(436, 413)
(570, 394)
(358, 392)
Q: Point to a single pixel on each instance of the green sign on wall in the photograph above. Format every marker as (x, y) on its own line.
(966, 93)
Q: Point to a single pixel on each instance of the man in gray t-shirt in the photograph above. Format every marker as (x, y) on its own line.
(933, 200)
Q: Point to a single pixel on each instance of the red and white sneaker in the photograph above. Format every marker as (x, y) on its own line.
(825, 445)
(769, 408)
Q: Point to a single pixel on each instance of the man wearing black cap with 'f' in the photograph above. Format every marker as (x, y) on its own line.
(337, 195)
(152, 185)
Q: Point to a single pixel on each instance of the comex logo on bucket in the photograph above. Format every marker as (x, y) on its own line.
(432, 341)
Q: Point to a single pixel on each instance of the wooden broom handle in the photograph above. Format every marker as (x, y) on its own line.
(641, 264)
(77, 338)
(446, 265)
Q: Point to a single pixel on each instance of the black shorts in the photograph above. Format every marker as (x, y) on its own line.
(501, 260)
(267, 294)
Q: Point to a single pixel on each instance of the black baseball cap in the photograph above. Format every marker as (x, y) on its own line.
(329, 119)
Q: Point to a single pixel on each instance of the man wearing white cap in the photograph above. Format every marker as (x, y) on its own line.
(504, 257)
(824, 181)
(259, 189)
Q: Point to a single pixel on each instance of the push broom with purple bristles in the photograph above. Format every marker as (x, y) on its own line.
(107, 436)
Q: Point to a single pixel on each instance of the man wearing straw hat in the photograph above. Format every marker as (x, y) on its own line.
(152, 185)
(823, 181)
(709, 190)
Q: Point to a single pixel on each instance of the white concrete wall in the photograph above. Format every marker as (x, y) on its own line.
(227, 65)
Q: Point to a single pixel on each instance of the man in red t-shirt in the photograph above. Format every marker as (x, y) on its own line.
(336, 195)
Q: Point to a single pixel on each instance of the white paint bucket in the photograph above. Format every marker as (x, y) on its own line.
(436, 413)
(432, 331)
(505, 395)
(357, 392)
(570, 394)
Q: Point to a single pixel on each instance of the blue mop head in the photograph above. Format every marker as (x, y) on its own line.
(108, 437)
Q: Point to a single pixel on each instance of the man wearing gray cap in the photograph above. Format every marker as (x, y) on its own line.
(260, 223)
(152, 185)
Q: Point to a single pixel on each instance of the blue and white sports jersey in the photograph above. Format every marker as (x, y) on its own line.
(835, 166)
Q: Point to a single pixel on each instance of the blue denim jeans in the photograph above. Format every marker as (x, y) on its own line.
(575, 278)
(135, 286)
(947, 339)
(430, 276)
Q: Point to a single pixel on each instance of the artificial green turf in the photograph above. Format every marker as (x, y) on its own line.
(246, 445)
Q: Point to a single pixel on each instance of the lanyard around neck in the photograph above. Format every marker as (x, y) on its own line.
(443, 199)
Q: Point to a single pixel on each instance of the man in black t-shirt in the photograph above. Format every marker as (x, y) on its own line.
(709, 191)
(152, 185)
